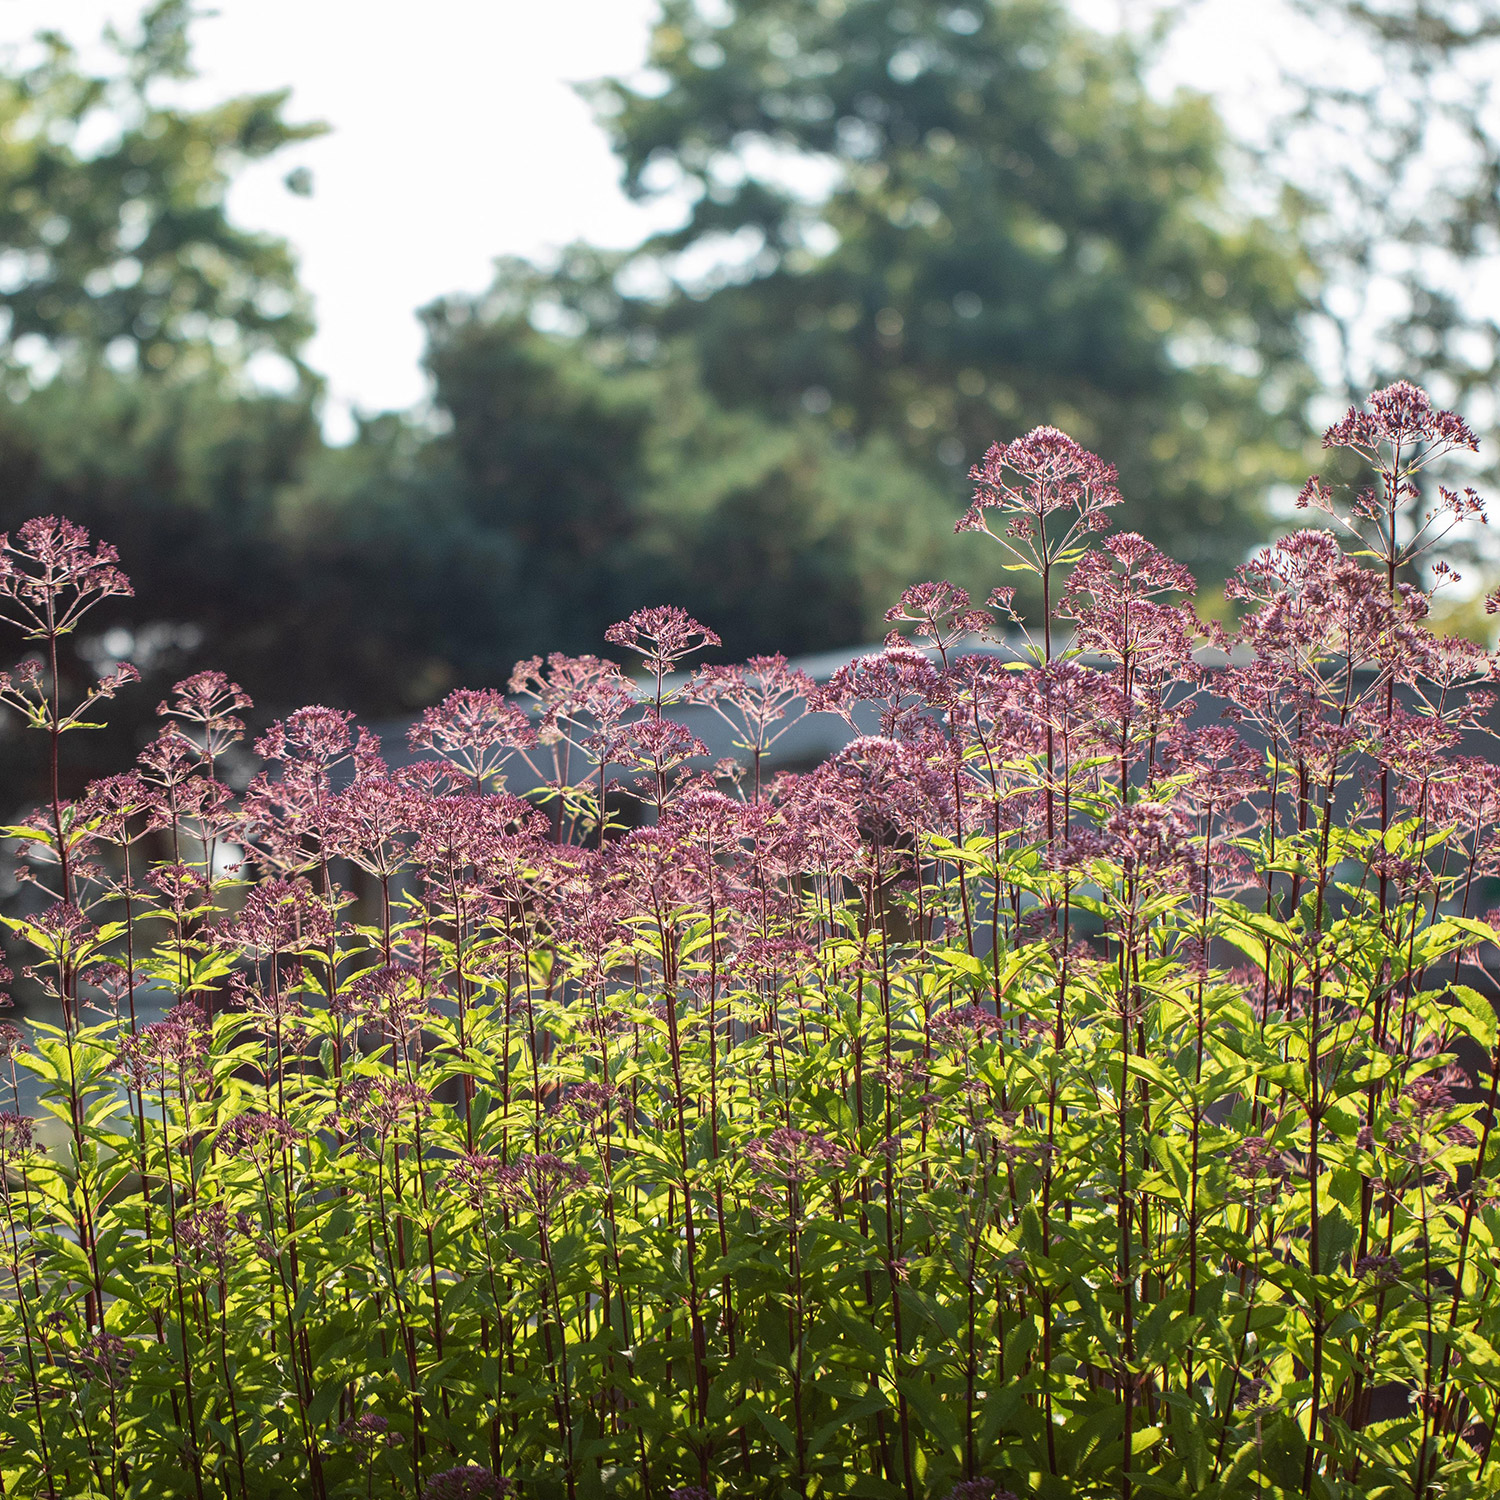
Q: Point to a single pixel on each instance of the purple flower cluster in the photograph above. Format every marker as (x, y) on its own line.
(467, 1482)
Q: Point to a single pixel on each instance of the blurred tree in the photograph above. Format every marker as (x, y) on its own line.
(114, 240)
(545, 449)
(1397, 154)
(614, 481)
(782, 532)
(944, 223)
(909, 230)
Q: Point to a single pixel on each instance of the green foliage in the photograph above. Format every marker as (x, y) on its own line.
(297, 1221)
(612, 484)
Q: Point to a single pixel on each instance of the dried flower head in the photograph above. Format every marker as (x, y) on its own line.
(1255, 1159)
(204, 1236)
(107, 1358)
(790, 1155)
(257, 1134)
(540, 1182)
(169, 1053)
(17, 1138)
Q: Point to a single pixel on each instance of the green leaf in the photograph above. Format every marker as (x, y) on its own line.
(1475, 1014)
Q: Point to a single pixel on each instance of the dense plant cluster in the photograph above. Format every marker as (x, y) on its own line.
(1055, 1092)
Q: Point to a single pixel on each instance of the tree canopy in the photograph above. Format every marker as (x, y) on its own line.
(944, 223)
(115, 242)
(1399, 163)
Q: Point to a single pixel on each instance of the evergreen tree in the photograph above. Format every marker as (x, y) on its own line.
(945, 223)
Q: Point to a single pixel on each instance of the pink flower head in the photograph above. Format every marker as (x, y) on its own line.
(169, 760)
(368, 1431)
(169, 1052)
(1316, 603)
(50, 578)
(209, 699)
(114, 800)
(892, 785)
(392, 998)
(1401, 414)
(291, 811)
(467, 1482)
(791, 1155)
(563, 681)
(1214, 763)
(966, 1026)
(107, 1358)
(940, 612)
(582, 701)
(426, 778)
(122, 674)
(901, 682)
(654, 742)
(205, 1235)
(589, 1099)
(318, 735)
(1462, 505)
(474, 730)
(185, 893)
(759, 701)
(476, 1176)
(540, 1182)
(389, 1107)
(282, 916)
(663, 635)
(817, 824)
(257, 1134)
(1035, 475)
(658, 750)
(1256, 1158)
(1398, 434)
(370, 825)
(16, 1137)
(1114, 596)
(63, 931)
(1148, 836)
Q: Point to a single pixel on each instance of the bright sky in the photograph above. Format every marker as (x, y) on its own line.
(456, 137)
